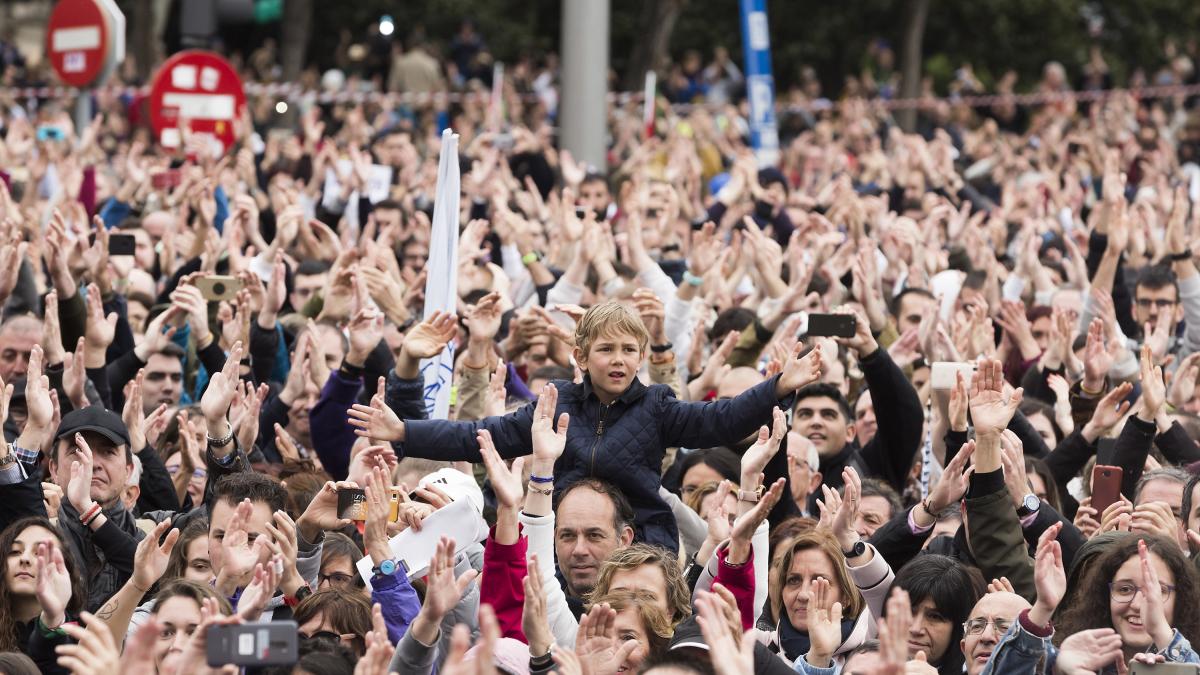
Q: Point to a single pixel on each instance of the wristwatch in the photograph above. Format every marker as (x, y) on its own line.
(385, 568)
(751, 496)
(1029, 505)
(859, 548)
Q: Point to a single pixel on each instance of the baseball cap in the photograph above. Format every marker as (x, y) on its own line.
(95, 418)
(457, 485)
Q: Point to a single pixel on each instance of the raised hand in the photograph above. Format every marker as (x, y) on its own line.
(94, 651)
(955, 480)
(596, 643)
(377, 421)
(443, 591)
(238, 553)
(1154, 390)
(798, 372)
(1183, 384)
(745, 525)
(218, 396)
(151, 558)
(824, 623)
(548, 442)
(1097, 358)
(534, 619)
(506, 482)
(1109, 411)
(375, 528)
(845, 508)
(960, 402)
(53, 584)
(79, 487)
(1049, 577)
(1154, 613)
(1089, 652)
(755, 459)
(261, 588)
(365, 332)
(991, 408)
(428, 338)
(732, 653)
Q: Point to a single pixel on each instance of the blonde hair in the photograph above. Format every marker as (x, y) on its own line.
(608, 318)
(655, 622)
(823, 541)
(695, 500)
(679, 599)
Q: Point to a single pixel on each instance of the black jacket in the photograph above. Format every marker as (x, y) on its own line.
(622, 443)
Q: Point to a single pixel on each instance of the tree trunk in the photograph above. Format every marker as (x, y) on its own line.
(650, 52)
(141, 37)
(297, 28)
(910, 59)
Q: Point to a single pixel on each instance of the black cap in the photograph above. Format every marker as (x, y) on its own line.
(95, 418)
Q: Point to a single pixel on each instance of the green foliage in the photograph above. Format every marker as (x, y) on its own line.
(832, 37)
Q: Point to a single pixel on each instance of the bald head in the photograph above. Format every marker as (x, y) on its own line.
(738, 380)
(155, 224)
(991, 608)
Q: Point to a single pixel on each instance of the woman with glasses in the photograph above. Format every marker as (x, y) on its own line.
(1137, 602)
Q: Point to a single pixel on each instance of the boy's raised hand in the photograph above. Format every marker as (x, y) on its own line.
(548, 443)
(799, 371)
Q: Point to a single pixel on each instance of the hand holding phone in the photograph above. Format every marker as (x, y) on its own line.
(832, 325)
(261, 643)
(1106, 486)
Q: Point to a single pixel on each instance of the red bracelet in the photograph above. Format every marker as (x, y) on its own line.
(90, 515)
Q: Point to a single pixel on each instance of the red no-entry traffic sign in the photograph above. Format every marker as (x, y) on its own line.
(80, 41)
(201, 88)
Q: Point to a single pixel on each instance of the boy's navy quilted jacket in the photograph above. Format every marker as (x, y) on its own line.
(622, 443)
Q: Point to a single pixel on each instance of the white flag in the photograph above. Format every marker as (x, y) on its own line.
(441, 284)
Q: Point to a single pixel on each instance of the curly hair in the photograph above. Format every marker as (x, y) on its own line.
(679, 598)
(12, 638)
(1086, 611)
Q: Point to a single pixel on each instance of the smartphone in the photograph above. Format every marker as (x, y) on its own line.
(942, 373)
(262, 643)
(1106, 486)
(218, 287)
(352, 503)
(121, 244)
(165, 180)
(1165, 668)
(832, 325)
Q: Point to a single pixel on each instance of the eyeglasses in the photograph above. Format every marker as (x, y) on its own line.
(1123, 591)
(978, 625)
(1147, 303)
(336, 580)
(321, 635)
(197, 473)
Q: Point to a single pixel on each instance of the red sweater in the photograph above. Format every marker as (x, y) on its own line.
(740, 581)
(502, 584)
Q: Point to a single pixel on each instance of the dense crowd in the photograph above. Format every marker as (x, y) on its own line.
(991, 467)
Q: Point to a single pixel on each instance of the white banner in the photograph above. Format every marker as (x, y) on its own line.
(441, 285)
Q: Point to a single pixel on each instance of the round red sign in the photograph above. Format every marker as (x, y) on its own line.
(200, 88)
(77, 41)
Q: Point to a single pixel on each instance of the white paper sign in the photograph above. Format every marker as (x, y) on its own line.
(458, 520)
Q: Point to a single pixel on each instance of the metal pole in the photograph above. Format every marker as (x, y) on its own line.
(583, 109)
(83, 110)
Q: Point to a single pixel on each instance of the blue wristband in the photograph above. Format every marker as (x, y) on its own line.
(540, 479)
(692, 279)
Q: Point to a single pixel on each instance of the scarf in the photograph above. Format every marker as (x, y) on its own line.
(795, 643)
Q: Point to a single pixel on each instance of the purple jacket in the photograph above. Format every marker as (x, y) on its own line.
(398, 601)
(332, 435)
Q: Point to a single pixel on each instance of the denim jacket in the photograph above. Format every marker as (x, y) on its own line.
(1020, 652)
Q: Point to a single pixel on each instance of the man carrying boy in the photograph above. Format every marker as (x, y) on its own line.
(620, 427)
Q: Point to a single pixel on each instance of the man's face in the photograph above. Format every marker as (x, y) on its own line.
(143, 249)
(110, 466)
(913, 308)
(864, 418)
(1041, 331)
(863, 663)
(385, 218)
(305, 286)
(873, 512)
(594, 195)
(612, 361)
(15, 345)
(137, 313)
(1163, 490)
(218, 522)
(991, 608)
(414, 256)
(802, 478)
(584, 537)
(163, 382)
(1151, 303)
(820, 420)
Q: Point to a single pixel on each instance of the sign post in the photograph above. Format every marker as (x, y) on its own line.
(760, 83)
(85, 42)
(202, 89)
